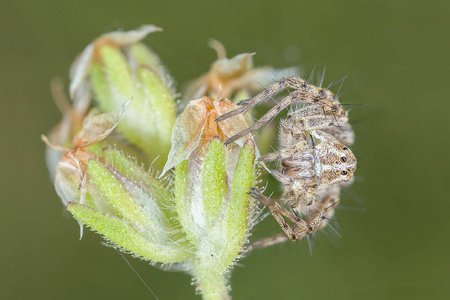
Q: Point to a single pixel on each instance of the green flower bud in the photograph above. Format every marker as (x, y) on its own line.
(202, 221)
(131, 216)
(211, 185)
(118, 67)
(109, 193)
(200, 218)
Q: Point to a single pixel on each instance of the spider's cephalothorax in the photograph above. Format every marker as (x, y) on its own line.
(321, 161)
(314, 155)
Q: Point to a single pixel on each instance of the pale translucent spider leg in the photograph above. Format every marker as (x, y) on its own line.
(286, 82)
(266, 118)
(266, 242)
(310, 93)
(276, 239)
(244, 102)
(296, 96)
(272, 156)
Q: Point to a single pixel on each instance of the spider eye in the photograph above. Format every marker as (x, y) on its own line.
(345, 148)
(343, 159)
(344, 172)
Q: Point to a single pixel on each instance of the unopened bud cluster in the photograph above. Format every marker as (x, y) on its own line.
(197, 213)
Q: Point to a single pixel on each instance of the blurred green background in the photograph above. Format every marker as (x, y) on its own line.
(395, 54)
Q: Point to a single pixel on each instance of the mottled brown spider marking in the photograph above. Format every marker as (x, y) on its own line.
(314, 155)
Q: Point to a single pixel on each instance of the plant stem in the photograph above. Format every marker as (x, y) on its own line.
(213, 285)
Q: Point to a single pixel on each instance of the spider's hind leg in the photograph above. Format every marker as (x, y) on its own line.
(266, 242)
(300, 229)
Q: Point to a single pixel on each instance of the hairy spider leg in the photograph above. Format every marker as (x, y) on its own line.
(300, 229)
(304, 93)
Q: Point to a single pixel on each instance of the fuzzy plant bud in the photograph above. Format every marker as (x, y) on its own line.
(198, 222)
(201, 222)
(198, 218)
(210, 189)
(106, 191)
(117, 67)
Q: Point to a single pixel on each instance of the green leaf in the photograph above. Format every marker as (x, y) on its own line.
(146, 57)
(133, 172)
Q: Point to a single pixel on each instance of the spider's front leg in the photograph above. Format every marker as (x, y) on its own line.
(293, 82)
(304, 93)
(264, 119)
(296, 96)
(266, 242)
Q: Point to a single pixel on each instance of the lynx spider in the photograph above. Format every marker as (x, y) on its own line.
(314, 157)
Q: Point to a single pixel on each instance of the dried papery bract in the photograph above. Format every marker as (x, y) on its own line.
(196, 126)
(236, 77)
(312, 155)
(62, 134)
(71, 168)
